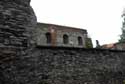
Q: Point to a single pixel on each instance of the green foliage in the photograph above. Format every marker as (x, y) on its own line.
(89, 43)
(122, 36)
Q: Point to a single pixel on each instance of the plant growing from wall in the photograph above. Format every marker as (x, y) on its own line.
(89, 43)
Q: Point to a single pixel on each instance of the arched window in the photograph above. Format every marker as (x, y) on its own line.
(65, 39)
(48, 38)
(80, 42)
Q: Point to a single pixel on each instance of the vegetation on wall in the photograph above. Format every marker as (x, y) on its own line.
(89, 43)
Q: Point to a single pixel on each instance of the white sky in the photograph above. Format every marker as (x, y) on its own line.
(101, 18)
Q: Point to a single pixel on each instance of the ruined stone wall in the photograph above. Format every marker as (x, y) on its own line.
(17, 35)
(17, 22)
(51, 65)
(80, 66)
(22, 62)
(57, 33)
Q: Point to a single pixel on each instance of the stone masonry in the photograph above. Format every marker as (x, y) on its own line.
(57, 32)
(17, 24)
(23, 62)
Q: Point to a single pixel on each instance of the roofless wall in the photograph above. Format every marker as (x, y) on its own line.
(56, 35)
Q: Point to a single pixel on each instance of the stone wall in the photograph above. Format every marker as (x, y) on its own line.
(17, 35)
(80, 66)
(17, 24)
(22, 62)
(52, 65)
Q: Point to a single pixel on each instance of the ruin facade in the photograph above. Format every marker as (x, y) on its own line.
(23, 62)
(64, 36)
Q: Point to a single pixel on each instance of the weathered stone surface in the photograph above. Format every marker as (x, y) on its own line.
(22, 63)
(67, 66)
(79, 66)
(17, 24)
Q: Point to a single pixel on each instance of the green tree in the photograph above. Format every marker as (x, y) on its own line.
(122, 36)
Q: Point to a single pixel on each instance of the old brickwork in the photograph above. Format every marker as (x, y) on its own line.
(76, 37)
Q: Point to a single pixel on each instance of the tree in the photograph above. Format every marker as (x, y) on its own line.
(122, 36)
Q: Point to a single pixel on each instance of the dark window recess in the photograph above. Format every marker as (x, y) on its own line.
(48, 38)
(80, 42)
(65, 39)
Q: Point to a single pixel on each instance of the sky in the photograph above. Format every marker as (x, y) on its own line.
(101, 18)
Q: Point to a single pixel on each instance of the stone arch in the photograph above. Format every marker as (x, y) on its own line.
(80, 41)
(65, 39)
(48, 38)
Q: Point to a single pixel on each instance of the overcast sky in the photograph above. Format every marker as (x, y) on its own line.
(101, 18)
